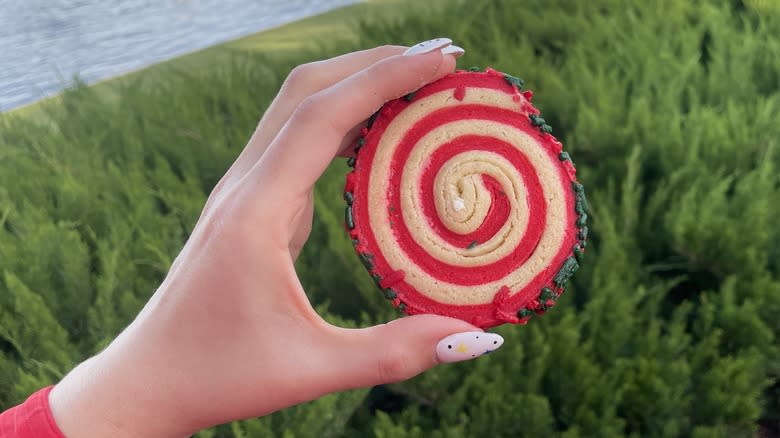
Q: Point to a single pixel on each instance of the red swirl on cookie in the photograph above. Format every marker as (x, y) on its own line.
(463, 204)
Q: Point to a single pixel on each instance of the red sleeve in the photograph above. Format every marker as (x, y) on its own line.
(31, 419)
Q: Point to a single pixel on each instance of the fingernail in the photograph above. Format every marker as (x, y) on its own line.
(453, 50)
(467, 345)
(428, 46)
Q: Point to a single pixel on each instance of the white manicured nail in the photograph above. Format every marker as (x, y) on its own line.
(453, 50)
(467, 345)
(428, 46)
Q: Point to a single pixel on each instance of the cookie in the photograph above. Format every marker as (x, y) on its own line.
(462, 203)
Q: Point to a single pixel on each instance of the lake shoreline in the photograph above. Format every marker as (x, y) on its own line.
(50, 49)
(278, 40)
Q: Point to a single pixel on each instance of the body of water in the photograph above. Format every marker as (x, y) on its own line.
(44, 43)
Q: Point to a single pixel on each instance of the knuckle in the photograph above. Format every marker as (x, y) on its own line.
(309, 110)
(299, 76)
(394, 366)
(389, 49)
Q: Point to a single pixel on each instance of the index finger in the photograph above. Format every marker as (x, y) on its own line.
(303, 81)
(311, 138)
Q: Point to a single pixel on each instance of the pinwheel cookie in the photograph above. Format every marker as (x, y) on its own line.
(462, 203)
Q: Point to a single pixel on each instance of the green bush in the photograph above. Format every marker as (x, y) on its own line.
(671, 110)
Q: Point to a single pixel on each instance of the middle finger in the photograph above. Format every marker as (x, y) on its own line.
(302, 82)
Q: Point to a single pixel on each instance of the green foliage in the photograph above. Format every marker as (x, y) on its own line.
(670, 110)
(324, 417)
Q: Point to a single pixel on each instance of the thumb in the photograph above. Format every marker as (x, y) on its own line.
(405, 347)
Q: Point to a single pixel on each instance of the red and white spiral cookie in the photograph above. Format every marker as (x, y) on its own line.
(461, 202)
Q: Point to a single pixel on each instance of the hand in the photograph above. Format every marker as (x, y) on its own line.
(230, 333)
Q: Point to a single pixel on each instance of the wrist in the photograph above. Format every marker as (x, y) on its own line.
(112, 394)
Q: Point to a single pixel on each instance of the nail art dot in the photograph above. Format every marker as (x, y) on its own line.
(495, 342)
(450, 347)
